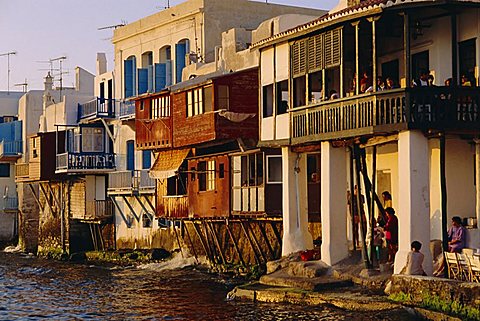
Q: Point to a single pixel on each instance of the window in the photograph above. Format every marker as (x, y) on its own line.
(467, 59)
(93, 140)
(142, 105)
(130, 77)
(146, 159)
(274, 169)
(147, 222)
(315, 93)
(252, 170)
(4, 170)
(208, 98)
(160, 107)
(221, 171)
(177, 185)
(206, 175)
(282, 97)
(299, 91)
(195, 102)
(223, 97)
(267, 101)
(313, 168)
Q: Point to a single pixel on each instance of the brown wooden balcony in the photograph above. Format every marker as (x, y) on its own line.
(21, 172)
(153, 133)
(172, 206)
(426, 108)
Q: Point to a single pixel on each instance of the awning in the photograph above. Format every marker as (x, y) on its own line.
(167, 163)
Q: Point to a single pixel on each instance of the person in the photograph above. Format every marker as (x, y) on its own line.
(422, 80)
(333, 94)
(465, 81)
(365, 82)
(391, 233)
(456, 235)
(387, 199)
(354, 211)
(448, 82)
(380, 84)
(414, 261)
(390, 84)
(431, 81)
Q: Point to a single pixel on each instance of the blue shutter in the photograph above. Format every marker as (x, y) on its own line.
(150, 78)
(128, 77)
(146, 159)
(168, 73)
(130, 155)
(142, 80)
(180, 52)
(160, 76)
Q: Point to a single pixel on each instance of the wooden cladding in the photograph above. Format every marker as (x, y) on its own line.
(316, 52)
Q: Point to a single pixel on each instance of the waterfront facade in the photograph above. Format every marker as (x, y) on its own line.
(323, 90)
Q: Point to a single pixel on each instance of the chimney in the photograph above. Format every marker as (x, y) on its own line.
(101, 63)
(48, 82)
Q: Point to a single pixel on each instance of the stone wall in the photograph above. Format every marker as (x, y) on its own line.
(7, 226)
(28, 218)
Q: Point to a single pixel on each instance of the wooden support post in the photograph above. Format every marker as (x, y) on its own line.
(191, 244)
(255, 240)
(150, 204)
(42, 190)
(207, 240)
(143, 207)
(131, 208)
(55, 199)
(372, 204)
(357, 58)
(114, 201)
(277, 235)
(359, 208)
(235, 244)
(35, 197)
(209, 224)
(204, 245)
(351, 200)
(373, 20)
(267, 241)
(407, 57)
(443, 188)
(368, 193)
(257, 258)
(178, 239)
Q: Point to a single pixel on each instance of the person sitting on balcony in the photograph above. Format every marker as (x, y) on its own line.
(380, 84)
(422, 81)
(465, 81)
(448, 82)
(390, 83)
(365, 82)
(431, 80)
(333, 94)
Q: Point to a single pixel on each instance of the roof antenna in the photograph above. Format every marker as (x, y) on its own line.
(8, 54)
(24, 85)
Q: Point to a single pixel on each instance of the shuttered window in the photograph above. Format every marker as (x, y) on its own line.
(299, 58)
(333, 45)
(315, 53)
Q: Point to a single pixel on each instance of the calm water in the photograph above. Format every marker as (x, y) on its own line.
(34, 289)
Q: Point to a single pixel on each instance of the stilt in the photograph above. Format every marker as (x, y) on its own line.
(250, 242)
(265, 236)
(191, 243)
(368, 193)
(207, 252)
(215, 239)
(207, 239)
(235, 245)
(359, 208)
(248, 227)
(42, 189)
(352, 187)
(277, 235)
(178, 239)
(443, 187)
(372, 205)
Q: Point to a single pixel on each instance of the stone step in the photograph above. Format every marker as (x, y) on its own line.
(283, 279)
(309, 269)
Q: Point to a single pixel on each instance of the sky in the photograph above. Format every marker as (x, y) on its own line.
(40, 30)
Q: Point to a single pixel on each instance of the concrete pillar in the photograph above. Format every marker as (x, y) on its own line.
(414, 198)
(477, 180)
(334, 203)
(296, 236)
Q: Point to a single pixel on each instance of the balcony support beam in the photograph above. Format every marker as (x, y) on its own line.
(36, 197)
(357, 62)
(42, 190)
(143, 206)
(130, 207)
(150, 204)
(124, 218)
(477, 179)
(107, 129)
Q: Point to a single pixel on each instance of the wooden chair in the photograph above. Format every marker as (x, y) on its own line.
(474, 268)
(453, 269)
(464, 267)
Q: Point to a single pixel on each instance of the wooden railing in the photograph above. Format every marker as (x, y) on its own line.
(173, 206)
(22, 170)
(10, 148)
(85, 161)
(386, 111)
(96, 210)
(130, 181)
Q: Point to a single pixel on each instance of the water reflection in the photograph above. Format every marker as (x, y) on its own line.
(34, 289)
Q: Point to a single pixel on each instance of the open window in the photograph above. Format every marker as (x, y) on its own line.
(267, 101)
(274, 169)
(282, 97)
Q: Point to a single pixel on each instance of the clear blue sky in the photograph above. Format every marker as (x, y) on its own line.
(40, 30)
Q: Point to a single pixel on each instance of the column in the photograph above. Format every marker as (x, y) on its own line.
(357, 62)
(414, 206)
(477, 180)
(296, 236)
(406, 57)
(333, 203)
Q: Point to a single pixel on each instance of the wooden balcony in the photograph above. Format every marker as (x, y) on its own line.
(96, 108)
(172, 206)
(78, 163)
(453, 109)
(21, 172)
(95, 211)
(130, 183)
(10, 150)
(153, 133)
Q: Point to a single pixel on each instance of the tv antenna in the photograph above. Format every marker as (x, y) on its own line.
(61, 73)
(121, 24)
(24, 85)
(167, 5)
(8, 54)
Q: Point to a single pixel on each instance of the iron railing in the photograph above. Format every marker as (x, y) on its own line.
(97, 108)
(85, 161)
(137, 180)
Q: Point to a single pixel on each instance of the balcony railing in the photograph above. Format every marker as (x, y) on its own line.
(130, 181)
(10, 148)
(126, 109)
(95, 210)
(85, 161)
(386, 111)
(10, 203)
(97, 108)
(22, 170)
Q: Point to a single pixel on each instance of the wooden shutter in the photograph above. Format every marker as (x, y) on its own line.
(315, 53)
(333, 48)
(299, 58)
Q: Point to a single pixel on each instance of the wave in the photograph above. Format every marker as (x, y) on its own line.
(175, 263)
(12, 249)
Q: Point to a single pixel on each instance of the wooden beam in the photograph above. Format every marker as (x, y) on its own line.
(372, 203)
(207, 240)
(352, 187)
(131, 208)
(114, 201)
(178, 239)
(255, 240)
(407, 56)
(306, 148)
(267, 241)
(216, 241)
(443, 189)
(199, 234)
(191, 243)
(150, 204)
(42, 190)
(35, 197)
(277, 235)
(143, 206)
(235, 245)
(380, 140)
(257, 258)
(357, 62)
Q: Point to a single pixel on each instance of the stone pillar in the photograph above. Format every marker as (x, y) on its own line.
(296, 236)
(413, 210)
(334, 203)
